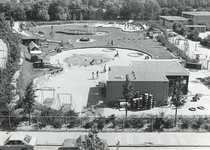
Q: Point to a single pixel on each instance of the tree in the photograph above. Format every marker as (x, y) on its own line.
(27, 102)
(18, 13)
(177, 96)
(151, 10)
(128, 92)
(112, 11)
(173, 11)
(92, 141)
(164, 11)
(188, 8)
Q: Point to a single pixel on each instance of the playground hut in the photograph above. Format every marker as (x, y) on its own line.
(27, 39)
(34, 49)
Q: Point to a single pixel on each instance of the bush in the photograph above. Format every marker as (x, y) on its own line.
(57, 123)
(158, 124)
(168, 123)
(101, 123)
(74, 122)
(138, 122)
(127, 123)
(197, 123)
(88, 125)
(185, 123)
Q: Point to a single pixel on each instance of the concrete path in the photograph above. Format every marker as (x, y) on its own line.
(125, 138)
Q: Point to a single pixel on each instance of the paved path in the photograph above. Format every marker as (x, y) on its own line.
(126, 138)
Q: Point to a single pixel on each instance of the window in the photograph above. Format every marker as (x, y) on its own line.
(10, 143)
(20, 143)
(27, 138)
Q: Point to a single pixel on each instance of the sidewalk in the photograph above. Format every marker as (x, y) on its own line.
(137, 138)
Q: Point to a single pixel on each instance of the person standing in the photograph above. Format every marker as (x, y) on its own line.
(92, 75)
(118, 145)
(97, 74)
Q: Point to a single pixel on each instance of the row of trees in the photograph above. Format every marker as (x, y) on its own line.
(7, 90)
(98, 9)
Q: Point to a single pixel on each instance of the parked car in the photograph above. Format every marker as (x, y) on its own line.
(84, 142)
(18, 141)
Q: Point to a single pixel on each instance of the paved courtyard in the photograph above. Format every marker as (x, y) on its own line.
(78, 81)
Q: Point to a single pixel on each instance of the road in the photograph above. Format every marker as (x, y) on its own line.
(163, 140)
(134, 148)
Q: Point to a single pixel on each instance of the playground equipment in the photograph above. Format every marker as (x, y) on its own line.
(47, 96)
(91, 30)
(66, 101)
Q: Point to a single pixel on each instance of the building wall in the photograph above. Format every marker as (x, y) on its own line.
(197, 19)
(169, 23)
(159, 90)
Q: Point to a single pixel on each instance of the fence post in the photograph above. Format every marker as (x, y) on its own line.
(152, 124)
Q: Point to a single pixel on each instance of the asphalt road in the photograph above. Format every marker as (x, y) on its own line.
(130, 140)
(134, 148)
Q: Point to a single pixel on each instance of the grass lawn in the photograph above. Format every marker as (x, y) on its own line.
(130, 40)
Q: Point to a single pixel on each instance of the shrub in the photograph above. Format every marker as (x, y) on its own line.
(185, 123)
(57, 123)
(101, 123)
(74, 122)
(127, 123)
(168, 123)
(88, 125)
(138, 122)
(197, 123)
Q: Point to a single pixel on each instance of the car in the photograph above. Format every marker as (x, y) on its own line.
(69, 144)
(82, 142)
(19, 141)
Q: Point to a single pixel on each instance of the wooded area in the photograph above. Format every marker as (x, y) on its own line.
(45, 10)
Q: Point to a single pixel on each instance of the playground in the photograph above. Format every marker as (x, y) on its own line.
(77, 86)
(82, 77)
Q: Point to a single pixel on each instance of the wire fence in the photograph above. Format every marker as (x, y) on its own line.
(107, 124)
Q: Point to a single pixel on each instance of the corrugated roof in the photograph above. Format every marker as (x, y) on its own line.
(173, 18)
(197, 13)
(151, 70)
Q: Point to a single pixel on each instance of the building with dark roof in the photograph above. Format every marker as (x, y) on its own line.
(194, 17)
(153, 76)
(190, 19)
(27, 39)
(168, 21)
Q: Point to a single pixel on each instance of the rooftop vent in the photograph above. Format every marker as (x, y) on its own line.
(118, 77)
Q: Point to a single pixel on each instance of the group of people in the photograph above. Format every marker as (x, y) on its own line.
(93, 75)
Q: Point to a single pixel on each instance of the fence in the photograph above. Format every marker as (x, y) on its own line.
(132, 124)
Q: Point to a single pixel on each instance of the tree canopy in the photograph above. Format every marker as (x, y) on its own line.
(43, 10)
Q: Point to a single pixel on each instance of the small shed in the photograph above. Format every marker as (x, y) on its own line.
(27, 39)
(34, 49)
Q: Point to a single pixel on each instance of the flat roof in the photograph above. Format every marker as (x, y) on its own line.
(195, 26)
(147, 70)
(197, 13)
(24, 37)
(173, 18)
